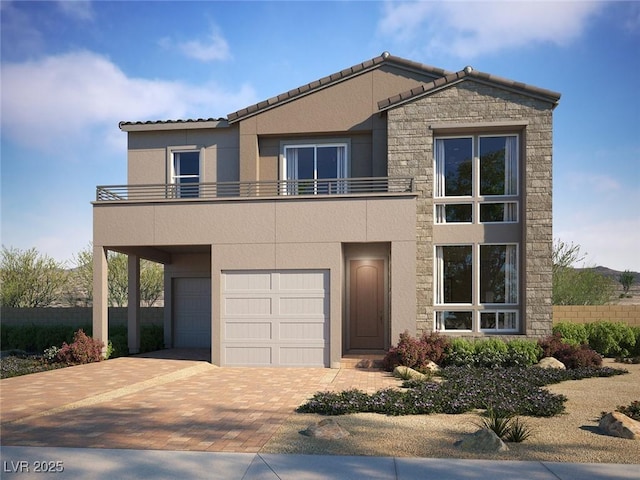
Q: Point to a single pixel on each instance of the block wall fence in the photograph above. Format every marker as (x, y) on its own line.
(78, 316)
(75, 316)
(629, 314)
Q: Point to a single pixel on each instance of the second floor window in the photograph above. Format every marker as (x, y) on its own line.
(186, 173)
(315, 169)
(476, 179)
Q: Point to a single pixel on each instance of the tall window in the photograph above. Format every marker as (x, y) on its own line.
(476, 179)
(476, 287)
(186, 173)
(315, 169)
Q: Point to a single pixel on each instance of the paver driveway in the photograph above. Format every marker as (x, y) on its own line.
(163, 403)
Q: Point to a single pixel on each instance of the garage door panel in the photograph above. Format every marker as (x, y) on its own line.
(248, 356)
(303, 331)
(302, 306)
(294, 327)
(247, 282)
(305, 281)
(247, 306)
(298, 357)
(248, 330)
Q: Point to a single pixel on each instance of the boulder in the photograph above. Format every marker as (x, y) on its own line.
(432, 366)
(406, 372)
(618, 424)
(550, 362)
(327, 429)
(483, 441)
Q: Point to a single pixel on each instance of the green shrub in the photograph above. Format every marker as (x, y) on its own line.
(635, 352)
(522, 352)
(489, 353)
(611, 339)
(151, 338)
(84, 349)
(572, 333)
(460, 352)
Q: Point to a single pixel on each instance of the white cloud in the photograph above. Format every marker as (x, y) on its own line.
(215, 47)
(468, 29)
(78, 9)
(594, 182)
(62, 98)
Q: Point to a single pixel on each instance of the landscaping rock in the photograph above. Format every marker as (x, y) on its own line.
(406, 372)
(327, 429)
(483, 441)
(550, 362)
(432, 366)
(618, 424)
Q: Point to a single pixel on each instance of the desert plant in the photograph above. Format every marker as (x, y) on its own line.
(632, 410)
(572, 333)
(83, 349)
(518, 431)
(626, 279)
(489, 353)
(460, 352)
(611, 339)
(498, 424)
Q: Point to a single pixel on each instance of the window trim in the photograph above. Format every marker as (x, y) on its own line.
(314, 143)
(476, 198)
(476, 307)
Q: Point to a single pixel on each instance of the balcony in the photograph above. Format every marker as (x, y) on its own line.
(264, 189)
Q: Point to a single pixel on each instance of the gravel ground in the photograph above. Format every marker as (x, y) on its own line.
(570, 437)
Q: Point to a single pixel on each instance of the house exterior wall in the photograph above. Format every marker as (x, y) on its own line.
(149, 160)
(472, 107)
(283, 233)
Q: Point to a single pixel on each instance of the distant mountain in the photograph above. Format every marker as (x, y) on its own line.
(614, 274)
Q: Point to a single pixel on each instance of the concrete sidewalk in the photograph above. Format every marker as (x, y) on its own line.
(86, 463)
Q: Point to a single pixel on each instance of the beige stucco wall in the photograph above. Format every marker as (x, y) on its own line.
(282, 233)
(148, 159)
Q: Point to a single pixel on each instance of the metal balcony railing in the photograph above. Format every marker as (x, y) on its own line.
(210, 191)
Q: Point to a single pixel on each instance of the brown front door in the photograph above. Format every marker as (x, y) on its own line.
(366, 304)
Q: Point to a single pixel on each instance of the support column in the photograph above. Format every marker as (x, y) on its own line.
(100, 296)
(133, 309)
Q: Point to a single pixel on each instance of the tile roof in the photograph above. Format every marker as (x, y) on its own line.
(469, 72)
(444, 79)
(386, 57)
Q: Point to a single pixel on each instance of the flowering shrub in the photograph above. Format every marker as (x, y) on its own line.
(416, 353)
(84, 349)
(571, 355)
(506, 391)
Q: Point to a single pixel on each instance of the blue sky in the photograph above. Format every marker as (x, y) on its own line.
(72, 70)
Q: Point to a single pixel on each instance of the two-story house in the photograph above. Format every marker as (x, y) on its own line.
(389, 196)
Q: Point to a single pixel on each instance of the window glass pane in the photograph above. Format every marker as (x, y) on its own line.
(498, 274)
(488, 320)
(507, 320)
(492, 273)
(454, 320)
(186, 163)
(327, 162)
(455, 158)
(305, 162)
(457, 274)
(499, 212)
(455, 213)
(492, 165)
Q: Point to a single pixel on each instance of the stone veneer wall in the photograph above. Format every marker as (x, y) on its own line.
(410, 153)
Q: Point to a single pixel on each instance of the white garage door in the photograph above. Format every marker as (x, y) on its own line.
(192, 312)
(275, 318)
